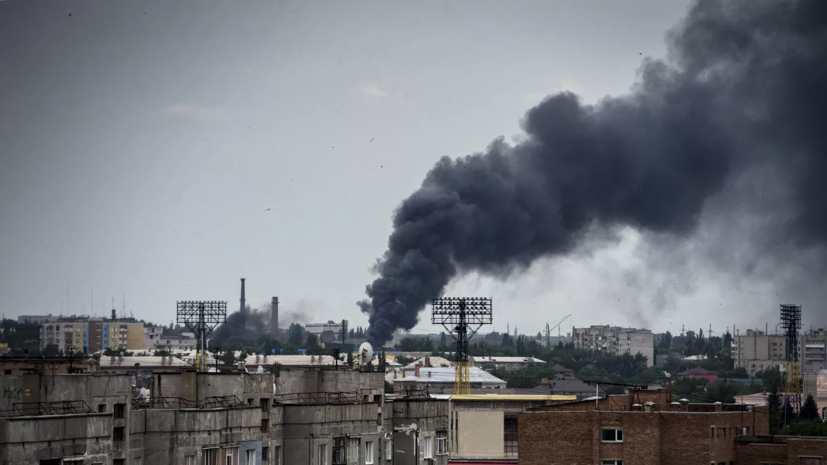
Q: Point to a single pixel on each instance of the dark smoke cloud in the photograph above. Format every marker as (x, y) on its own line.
(743, 91)
(255, 322)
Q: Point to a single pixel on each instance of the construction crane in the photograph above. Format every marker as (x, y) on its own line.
(550, 328)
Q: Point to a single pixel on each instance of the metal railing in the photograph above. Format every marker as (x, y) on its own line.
(319, 398)
(65, 407)
(174, 403)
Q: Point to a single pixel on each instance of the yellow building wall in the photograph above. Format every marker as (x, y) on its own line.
(77, 336)
(135, 337)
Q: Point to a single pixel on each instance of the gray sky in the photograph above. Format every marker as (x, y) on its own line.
(141, 143)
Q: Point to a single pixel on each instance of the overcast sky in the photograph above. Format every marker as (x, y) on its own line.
(163, 150)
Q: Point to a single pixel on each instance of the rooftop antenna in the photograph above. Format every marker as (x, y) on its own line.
(462, 318)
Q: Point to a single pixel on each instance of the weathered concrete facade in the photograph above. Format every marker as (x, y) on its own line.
(192, 418)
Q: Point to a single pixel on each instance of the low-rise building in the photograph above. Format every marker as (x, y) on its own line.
(698, 373)
(781, 450)
(441, 380)
(616, 340)
(642, 427)
(506, 363)
(155, 339)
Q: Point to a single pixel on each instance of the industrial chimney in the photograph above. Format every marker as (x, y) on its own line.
(274, 317)
(243, 307)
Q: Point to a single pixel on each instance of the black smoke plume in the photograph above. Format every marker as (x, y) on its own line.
(743, 88)
(255, 322)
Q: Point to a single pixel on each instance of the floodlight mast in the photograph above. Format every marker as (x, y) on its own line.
(462, 318)
(791, 322)
(201, 317)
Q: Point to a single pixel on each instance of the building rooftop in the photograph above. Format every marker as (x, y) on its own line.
(697, 371)
(144, 361)
(560, 369)
(507, 360)
(448, 375)
(435, 362)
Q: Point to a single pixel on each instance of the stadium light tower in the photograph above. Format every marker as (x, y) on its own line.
(791, 322)
(462, 317)
(201, 317)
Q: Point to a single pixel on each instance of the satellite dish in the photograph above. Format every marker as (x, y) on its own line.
(365, 353)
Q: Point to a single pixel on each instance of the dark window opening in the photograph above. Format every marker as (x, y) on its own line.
(510, 436)
(339, 451)
(264, 425)
(264, 404)
(101, 408)
(120, 410)
(119, 433)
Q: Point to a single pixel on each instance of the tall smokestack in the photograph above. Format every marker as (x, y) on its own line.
(243, 308)
(274, 316)
(738, 104)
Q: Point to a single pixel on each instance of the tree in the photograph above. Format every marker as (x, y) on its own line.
(312, 340)
(666, 341)
(50, 350)
(727, 340)
(721, 392)
(443, 342)
(809, 411)
(771, 378)
(227, 357)
(774, 401)
(295, 334)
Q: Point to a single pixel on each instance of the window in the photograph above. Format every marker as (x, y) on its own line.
(264, 404)
(137, 460)
(369, 452)
(189, 460)
(339, 450)
(441, 442)
(611, 462)
(101, 408)
(264, 425)
(611, 435)
(210, 456)
(118, 461)
(389, 449)
(118, 433)
(250, 457)
(120, 410)
(322, 459)
(228, 458)
(353, 450)
(510, 436)
(277, 456)
(429, 447)
(265, 454)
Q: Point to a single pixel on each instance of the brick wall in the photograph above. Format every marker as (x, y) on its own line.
(655, 438)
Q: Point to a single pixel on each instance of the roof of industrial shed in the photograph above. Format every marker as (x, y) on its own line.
(144, 361)
(447, 375)
(507, 360)
(302, 360)
(435, 362)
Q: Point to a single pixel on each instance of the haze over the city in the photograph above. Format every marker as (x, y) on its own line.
(162, 151)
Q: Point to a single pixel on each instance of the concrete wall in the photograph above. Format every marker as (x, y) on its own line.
(412, 421)
(27, 440)
(479, 433)
(295, 381)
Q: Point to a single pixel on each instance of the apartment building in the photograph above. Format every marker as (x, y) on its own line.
(89, 335)
(756, 350)
(642, 427)
(616, 340)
